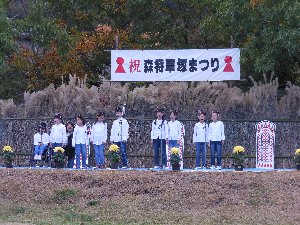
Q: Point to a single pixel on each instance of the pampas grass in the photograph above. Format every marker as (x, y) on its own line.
(7, 108)
(259, 102)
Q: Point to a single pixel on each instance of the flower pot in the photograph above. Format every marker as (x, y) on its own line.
(238, 167)
(176, 166)
(298, 167)
(114, 165)
(9, 165)
(59, 165)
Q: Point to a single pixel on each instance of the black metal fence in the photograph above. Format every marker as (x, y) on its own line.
(19, 134)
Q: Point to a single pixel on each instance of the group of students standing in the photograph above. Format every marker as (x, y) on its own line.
(74, 138)
(211, 134)
(164, 133)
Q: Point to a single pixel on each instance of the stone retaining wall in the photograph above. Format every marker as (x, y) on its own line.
(19, 134)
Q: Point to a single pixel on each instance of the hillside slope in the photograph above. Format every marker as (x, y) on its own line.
(145, 197)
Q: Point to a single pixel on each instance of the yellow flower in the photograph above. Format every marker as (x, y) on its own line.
(297, 151)
(238, 149)
(113, 148)
(59, 149)
(7, 149)
(175, 151)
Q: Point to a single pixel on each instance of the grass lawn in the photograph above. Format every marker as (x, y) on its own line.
(145, 197)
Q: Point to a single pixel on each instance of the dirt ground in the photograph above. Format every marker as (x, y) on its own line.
(146, 197)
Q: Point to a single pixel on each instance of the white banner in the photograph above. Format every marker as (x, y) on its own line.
(175, 65)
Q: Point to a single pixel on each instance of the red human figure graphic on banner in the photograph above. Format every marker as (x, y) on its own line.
(228, 67)
(120, 68)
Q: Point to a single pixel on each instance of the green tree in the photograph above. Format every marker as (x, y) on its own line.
(56, 38)
(10, 83)
(6, 35)
(267, 31)
(166, 24)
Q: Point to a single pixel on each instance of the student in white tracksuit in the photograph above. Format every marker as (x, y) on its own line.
(99, 138)
(40, 141)
(159, 136)
(216, 138)
(174, 131)
(200, 138)
(58, 134)
(119, 135)
(79, 140)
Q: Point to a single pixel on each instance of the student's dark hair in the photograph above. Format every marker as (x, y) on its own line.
(217, 112)
(160, 110)
(70, 123)
(200, 112)
(163, 117)
(218, 115)
(98, 115)
(118, 109)
(58, 116)
(81, 118)
(174, 112)
(43, 126)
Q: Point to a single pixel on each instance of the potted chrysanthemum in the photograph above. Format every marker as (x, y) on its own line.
(8, 156)
(114, 156)
(297, 158)
(175, 158)
(59, 158)
(238, 155)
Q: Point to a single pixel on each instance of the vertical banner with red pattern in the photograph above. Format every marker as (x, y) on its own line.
(175, 65)
(265, 143)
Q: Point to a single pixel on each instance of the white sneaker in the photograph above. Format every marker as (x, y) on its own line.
(197, 168)
(218, 167)
(35, 157)
(212, 167)
(156, 167)
(203, 167)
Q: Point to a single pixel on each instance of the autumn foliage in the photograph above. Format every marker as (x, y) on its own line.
(42, 69)
(45, 41)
